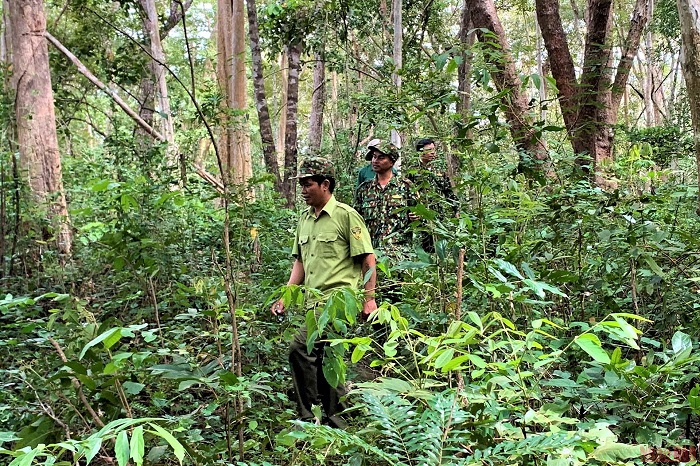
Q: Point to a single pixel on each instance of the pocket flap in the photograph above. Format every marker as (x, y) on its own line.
(327, 237)
(304, 239)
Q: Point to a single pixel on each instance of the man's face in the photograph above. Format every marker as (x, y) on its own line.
(381, 163)
(314, 194)
(427, 154)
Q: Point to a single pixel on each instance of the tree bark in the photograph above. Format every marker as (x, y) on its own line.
(589, 106)
(234, 144)
(36, 121)
(318, 102)
(264, 121)
(282, 110)
(290, 140)
(396, 11)
(689, 14)
(157, 68)
(515, 104)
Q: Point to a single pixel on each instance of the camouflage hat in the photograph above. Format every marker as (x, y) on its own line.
(385, 147)
(315, 165)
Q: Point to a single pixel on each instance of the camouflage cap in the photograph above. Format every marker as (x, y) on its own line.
(385, 147)
(315, 165)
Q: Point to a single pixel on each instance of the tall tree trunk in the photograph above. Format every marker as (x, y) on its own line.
(466, 40)
(290, 140)
(689, 12)
(318, 102)
(589, 106)
(157, 68)
(36, 120)
(514, 102)
(264, 121)
(282, 110)
(396, 11)
(231, 71)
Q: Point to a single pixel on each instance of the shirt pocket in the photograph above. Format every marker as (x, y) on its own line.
(327, 245)
(303, 244)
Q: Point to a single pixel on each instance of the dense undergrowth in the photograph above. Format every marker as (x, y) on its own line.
(576, 341)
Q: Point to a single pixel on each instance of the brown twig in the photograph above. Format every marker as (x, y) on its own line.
(78, 386)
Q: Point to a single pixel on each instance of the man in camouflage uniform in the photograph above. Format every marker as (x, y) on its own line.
(383, 201)
(332, 250)
(435, 188)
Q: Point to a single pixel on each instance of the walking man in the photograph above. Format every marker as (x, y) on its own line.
(332, 250)
(382, 200)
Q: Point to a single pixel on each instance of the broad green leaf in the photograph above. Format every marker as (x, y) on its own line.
(477, 361)
(591, 345)
(133, 388)
(121, 448)
(653, 266)
(27, 458)
(444, 358)
(508, 268)
(8, 437)
(100, 338)
(694, 399)
(137, 445)
(616, 452)
(93, 446)
(177, 447)
(474, 317)
(682, 345)
(357, 354)
(455, 362)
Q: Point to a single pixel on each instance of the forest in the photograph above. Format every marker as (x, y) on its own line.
(148, 207)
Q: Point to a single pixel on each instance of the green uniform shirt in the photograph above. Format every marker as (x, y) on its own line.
(327, 245)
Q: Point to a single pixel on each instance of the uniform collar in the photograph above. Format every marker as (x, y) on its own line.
(329, 208)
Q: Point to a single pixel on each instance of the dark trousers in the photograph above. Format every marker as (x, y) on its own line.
(310, 385)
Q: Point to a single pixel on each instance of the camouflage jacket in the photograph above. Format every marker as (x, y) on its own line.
(435, 191)
(384, 211)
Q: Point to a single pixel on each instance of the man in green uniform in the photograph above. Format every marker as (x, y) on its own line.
(382, 200)
(435, 187)
(332, 250)
(366, 173)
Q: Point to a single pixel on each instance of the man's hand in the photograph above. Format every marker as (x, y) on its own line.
(278, 309)
(369, 306)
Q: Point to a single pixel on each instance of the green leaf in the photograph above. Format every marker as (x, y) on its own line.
(99, 339)
(455, 362)
(654, 266)
(591, 345)
(682, 345)
(133, 388)
(121, 448)
(616, 452)
(137, 445)
(177, 447)
(25, 459)
(93, 445)
(444, 358)
(357, 354)
(508, 268)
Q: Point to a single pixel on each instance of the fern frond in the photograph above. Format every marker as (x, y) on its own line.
(437, 437)
(346, 439)
(394, 417)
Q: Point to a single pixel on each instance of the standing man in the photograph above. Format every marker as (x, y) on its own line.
(382, 200)
(435, 185)
(332, 250)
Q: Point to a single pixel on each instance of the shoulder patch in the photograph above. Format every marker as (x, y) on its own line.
(356, 232)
